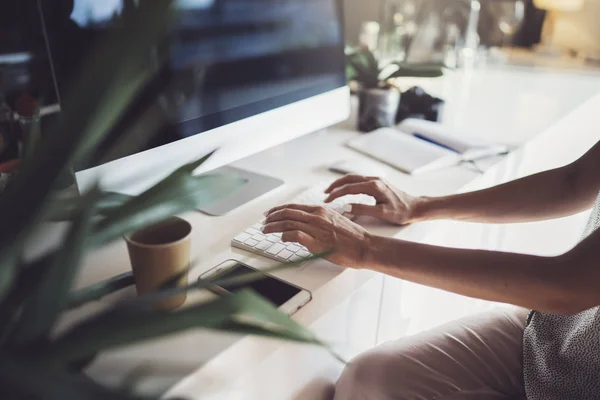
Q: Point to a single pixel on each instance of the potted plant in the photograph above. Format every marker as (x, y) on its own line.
(38, 362)
(378, 96)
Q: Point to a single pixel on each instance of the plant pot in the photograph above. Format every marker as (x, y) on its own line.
(377, 108)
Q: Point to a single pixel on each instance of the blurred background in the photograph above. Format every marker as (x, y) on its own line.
(497, 30)
(452, 32)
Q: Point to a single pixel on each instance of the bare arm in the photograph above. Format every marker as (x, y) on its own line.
(566, 284)
(551, 194)
(562, 285)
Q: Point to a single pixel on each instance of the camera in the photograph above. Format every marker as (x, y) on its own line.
(416, 103)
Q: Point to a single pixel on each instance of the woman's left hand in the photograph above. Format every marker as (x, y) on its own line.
(321, 230)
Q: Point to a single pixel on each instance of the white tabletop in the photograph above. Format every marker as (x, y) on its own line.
(353, 310)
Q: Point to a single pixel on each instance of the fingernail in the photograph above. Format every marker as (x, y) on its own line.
(266, 213)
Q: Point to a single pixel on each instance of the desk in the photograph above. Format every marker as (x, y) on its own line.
(353, 310)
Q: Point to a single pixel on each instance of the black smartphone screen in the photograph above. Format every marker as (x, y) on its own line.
(274, 290)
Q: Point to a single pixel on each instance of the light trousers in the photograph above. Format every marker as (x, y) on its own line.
(479, 357)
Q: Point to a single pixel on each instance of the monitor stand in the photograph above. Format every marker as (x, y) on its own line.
(253, 186)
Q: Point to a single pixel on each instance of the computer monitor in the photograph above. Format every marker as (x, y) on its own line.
(243, 76)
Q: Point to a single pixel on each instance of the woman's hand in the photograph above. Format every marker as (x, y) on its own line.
(321, 230)
(393, 205)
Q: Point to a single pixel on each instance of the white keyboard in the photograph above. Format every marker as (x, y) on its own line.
(271, 246)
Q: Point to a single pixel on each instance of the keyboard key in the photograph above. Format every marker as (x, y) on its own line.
(285, 254)
(303, 253)
(272, 238)
(296, 258)
(275, 249)
(270, 245)
(252, 231)
(264, 245)
(242, 237)
(292, 247)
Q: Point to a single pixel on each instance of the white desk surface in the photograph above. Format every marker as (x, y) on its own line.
(355, 310)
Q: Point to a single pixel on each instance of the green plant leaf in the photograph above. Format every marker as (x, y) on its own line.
(178, 193)
(363, 67)
(245, 328)
(96, 101)
(67, 208)
(259, 312)
(251, 328)
(116, 283)
(351, 74)
(8, 266)
(368, 80)
(99, 290)
(417, 70)
(365, 60)
(189, 169)
(387, 71)
(42, 307)
(25, 379)
(371, 61)
(118, 328)
(29, 277)
(246, 279)
(167, 290)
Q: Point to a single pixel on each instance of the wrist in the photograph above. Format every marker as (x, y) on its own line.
(372, 252)
(422, 209)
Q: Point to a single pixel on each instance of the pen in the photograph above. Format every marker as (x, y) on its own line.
(426, 139)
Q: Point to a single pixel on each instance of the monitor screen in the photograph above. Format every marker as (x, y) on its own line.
(226, 59)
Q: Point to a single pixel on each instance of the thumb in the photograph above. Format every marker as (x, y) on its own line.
(363, 210)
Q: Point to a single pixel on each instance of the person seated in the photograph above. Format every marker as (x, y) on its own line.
(550, 353)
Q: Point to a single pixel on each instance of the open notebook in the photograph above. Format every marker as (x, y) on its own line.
(417, 146)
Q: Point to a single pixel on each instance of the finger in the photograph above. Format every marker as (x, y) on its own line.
(361, 210)
(289, 214)
(352, 178)
(287, 226)
(300, 207)
(300, 237)
(358, 188)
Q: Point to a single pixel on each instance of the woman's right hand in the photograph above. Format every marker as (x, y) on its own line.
(392, 205)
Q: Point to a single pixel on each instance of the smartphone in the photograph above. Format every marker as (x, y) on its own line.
(287, 297)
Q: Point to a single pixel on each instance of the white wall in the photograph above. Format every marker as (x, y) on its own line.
(356, 12)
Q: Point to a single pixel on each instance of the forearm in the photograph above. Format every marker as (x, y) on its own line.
(551, 194)
(524, 280)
